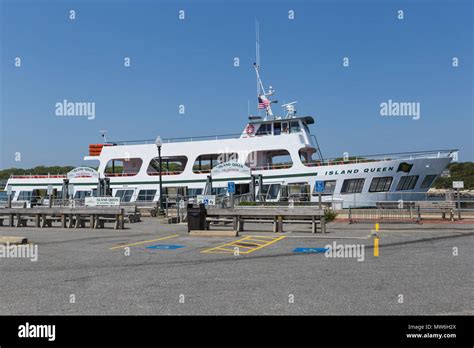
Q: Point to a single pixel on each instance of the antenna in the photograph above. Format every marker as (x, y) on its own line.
(261, 94)
(257, 51)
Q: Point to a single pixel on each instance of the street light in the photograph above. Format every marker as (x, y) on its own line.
(159, 143)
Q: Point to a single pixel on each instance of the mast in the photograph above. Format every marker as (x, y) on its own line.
(262, 96)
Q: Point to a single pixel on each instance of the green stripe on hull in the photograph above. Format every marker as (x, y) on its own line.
(175, 181)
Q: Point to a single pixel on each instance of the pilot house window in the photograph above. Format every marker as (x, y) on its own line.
(264, 129)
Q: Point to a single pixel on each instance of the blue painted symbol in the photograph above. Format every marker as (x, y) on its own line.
(310, 250)
(319, 186)
(165, 246)
(231, 187)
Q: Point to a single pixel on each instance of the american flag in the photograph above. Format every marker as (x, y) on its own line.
(263, 102)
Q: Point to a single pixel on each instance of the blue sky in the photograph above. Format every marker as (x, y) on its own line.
(190, 62)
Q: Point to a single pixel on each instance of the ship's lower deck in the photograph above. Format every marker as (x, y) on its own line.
(351, 184)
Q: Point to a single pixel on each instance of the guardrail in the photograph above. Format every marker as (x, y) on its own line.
(174, 140)
(384, 157)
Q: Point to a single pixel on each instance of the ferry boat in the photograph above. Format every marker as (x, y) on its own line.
(280, 150)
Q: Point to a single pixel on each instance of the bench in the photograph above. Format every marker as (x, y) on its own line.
(102, 219)
(69, 217)
(47, 221)
(437, 207)
(276, 216)
(22, 220)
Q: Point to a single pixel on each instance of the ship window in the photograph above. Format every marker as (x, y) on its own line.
(270, 191)
(381, 184)
(170, 165)
(300, 191)
(277, 128)
(123, 167)
(205, 163)
(264, 129)
(24, 196)
(329, 187)
(427, 181)
(125, 195)
(146, 195)
(219, 191)
(174, 191)
(269, 159)
(294, 127)
(308, 156)
(352, 186)
(192, 192)
(3, 196)
(407, 182)
(82, 194)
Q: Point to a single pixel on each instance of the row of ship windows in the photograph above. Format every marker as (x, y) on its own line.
(174, 165)
(380, 184)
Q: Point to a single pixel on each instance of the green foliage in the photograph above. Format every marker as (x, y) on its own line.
(248, 203)
(39, 170)
(459, 172)
(329, 215)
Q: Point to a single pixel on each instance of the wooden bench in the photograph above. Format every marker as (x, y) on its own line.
(69, 217)
(117, 219)
(437, 207)
(275, 215)
(47, 220)
(22, 220)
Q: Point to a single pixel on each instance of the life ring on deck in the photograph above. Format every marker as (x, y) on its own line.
(250, 129)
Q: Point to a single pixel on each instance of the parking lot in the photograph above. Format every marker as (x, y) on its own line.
(152, 268)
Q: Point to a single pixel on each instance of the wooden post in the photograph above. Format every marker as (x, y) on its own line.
(280, 223)
(459, 204)
(235, 223)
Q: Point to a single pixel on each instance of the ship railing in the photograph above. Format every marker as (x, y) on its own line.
(38, 176)
(176, 140)
(383, 157)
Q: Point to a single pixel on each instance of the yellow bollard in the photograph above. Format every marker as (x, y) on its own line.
(376, 247)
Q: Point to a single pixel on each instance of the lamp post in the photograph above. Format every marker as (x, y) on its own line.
(159, 143)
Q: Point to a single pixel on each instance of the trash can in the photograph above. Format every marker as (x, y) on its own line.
(196, 217)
